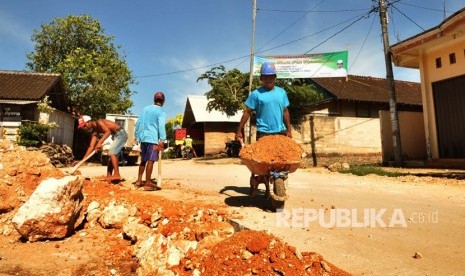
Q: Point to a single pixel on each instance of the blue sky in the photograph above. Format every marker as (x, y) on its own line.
(169, 43)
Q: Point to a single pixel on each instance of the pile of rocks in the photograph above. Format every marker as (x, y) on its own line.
(60, 155)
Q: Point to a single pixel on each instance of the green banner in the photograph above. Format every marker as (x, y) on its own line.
(306, 66)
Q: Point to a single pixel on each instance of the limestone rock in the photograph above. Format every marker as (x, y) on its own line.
(52, 211)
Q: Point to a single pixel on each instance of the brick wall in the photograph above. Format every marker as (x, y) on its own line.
(216, 135)
(341, 135)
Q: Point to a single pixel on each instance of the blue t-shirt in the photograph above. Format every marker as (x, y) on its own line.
(150, 126)
(269, 107)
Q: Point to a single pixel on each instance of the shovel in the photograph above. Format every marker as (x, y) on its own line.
(74, 169)
(159, 169)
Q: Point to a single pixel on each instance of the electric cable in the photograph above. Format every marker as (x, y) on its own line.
(411, 20)
(363, 44)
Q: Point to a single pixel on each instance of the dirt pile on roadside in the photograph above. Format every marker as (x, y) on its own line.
(95, 250)
(273, 149)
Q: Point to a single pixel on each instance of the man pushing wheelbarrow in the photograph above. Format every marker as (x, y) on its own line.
(270, 103)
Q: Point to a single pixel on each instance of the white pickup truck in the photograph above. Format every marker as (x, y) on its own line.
(131, 151)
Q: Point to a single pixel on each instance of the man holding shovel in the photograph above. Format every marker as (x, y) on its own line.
(107, 128)
(150, 132)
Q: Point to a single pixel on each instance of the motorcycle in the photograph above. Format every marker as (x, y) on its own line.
(186, 153)
(233, 148)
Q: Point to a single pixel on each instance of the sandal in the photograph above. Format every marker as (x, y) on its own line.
(151, 188)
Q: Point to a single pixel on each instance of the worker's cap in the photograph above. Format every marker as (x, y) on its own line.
(83, 120)
(188, 136)
(159, 96)
(340, 61)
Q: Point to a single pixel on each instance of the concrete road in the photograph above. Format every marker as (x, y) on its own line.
(365, 225)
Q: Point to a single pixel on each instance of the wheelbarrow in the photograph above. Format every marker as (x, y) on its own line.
(275, 173)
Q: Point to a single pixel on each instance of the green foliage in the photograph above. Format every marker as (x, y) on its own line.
(171, 123)
(95, 75)
(365, 170)
(33, 134)
(169, 153)
(229, 89)
(44, 105)
(300, 94)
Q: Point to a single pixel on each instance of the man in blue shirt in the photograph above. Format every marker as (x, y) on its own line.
(150, 132)
(270, 104)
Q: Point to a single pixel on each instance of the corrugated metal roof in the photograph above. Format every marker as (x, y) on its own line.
(18, 102)
(198, 104)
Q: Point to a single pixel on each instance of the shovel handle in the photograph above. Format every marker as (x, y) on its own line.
(159, 179)
(74, 169)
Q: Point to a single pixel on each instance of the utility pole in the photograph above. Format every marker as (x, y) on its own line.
(390, 82)
(248, 126)
(444, 6)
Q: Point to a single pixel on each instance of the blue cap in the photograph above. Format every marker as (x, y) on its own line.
(268, 68)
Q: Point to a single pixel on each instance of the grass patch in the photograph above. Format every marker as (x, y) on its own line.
(364, 170)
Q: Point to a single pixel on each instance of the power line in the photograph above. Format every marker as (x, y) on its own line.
(262, 51)
(307, 36)
(309, 11)
(424, 8)
(411, 20)
(363, 44)
(292, 24)
(191, 69)
(355, 20)
(338, 32)
(288, 27)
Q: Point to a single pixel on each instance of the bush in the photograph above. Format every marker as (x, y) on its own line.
(33, 134)
(364, 170)
(169, 153)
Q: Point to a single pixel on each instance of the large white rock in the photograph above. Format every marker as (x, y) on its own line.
(53, 211)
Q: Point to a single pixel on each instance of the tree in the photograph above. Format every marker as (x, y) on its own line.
(171, 124)
(229, 89)
(300, 94)
(95, 75)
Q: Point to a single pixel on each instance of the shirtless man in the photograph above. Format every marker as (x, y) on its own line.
(107, 128)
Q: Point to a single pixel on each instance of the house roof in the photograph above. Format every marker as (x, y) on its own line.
(369, 89)
(29, 86)
(406, 53)
(196, 112)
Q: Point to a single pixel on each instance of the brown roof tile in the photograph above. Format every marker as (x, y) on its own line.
(26, 85)
(31, 86)
(369, 89)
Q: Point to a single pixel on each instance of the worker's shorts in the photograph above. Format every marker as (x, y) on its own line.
(149, 152)
(119, 139)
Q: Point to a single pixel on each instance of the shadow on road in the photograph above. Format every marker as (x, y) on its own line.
(449, 175)
(244, 200)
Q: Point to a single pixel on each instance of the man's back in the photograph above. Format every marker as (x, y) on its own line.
(188, 142)
(151, 125)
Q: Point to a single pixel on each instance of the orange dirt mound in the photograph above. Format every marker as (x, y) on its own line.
(273, 148)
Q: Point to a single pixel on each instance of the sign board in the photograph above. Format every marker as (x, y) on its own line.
(11, 113)
(306, 66)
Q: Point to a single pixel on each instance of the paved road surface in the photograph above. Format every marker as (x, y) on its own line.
(402, 217)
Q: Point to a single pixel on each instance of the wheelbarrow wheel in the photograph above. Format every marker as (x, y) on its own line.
(279, 189)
